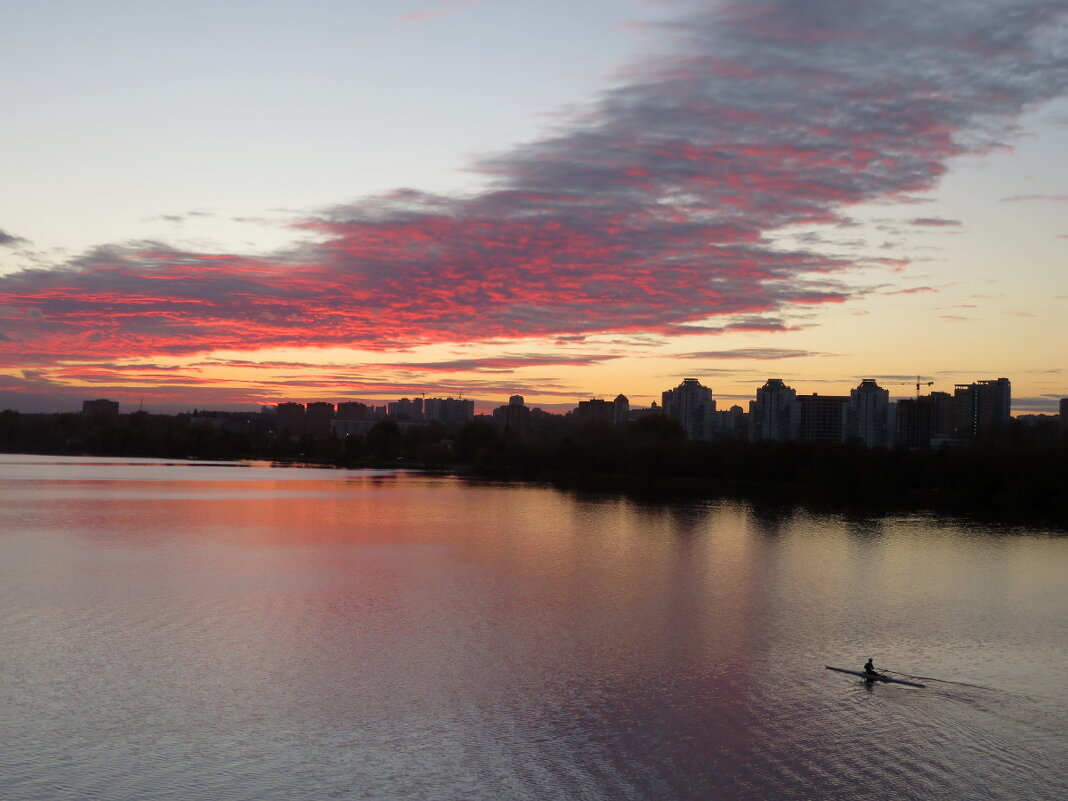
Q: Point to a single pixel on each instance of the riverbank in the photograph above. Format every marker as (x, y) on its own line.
(1001, 508)
(1018, 477)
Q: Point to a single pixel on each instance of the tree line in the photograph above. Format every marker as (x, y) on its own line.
(1020, 473)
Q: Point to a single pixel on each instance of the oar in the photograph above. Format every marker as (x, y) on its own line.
(932, 678)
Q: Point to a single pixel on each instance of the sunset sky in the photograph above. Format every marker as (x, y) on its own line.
(224, 205)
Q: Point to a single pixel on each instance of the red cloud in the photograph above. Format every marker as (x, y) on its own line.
(649, 214)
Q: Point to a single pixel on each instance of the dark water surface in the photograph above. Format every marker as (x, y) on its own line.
(244, 632)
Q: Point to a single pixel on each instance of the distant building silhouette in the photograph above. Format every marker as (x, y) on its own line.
(869, 414)
(102, 407)
(774, 415)
(406, 410)
(449, 411)
(822, 418)
(692, 404)
(353, 410)
(924, 421)
(732, 424)
(913, 423)
(621, 410)
(594, 410)
(514, 418)
(639, 413)
(941, 416)
(289, 417)
(981, 407)
(318, 419)
(355, 419)
(1064, 414)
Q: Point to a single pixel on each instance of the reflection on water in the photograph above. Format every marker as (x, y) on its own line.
(233, 632)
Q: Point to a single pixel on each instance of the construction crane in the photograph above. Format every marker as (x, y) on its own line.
(918, 383)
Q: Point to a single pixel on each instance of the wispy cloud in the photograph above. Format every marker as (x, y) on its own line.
(935, 222)
(179, 218)
(1041, 404)
(649, 214)
(1041, 198)
(912, 290)
(502, 364)
(420, 16)
(443, 9)
(10, 240)
(750, 353)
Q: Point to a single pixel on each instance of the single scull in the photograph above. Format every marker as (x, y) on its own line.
(876, 677)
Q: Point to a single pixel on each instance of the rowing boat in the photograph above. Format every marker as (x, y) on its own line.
(876, 677)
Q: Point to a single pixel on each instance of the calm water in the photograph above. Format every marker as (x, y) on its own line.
(178, 631)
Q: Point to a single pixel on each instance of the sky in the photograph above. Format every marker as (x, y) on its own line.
(229, 205)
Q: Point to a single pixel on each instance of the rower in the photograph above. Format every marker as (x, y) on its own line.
(869, 667)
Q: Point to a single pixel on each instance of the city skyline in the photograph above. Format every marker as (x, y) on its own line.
(230, 207)
(399, 406)
(979, 410)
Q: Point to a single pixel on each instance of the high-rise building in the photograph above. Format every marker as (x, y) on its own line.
(353, 410)
(621, 410)
(822, 418)
(869, 412)
(594, 410)
(513, 419)
(774, 415)
(692, 404)
(102, 407)
(1064, 414)
(289, 417)
(317, 419)
(924, 421)
(406, 410)
(981, 407)
(449, 411)
(913, 423)
(941, 415)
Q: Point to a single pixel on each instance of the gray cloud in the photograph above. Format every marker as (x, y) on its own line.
(934, 222)
(10, 240)
(1039, 197)
(1041, 404)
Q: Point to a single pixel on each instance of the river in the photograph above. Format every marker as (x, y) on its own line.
(241, 631)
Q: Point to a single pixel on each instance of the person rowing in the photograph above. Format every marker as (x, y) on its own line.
(871, 675)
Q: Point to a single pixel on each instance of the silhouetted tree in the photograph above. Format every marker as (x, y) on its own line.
(384, 441)
(472, 437)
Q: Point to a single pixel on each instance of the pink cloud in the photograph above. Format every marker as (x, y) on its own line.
(420, 16)
(648, 215)
(915, 290)
(445, 9)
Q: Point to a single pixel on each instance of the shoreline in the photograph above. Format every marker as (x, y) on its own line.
(1007, 508)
